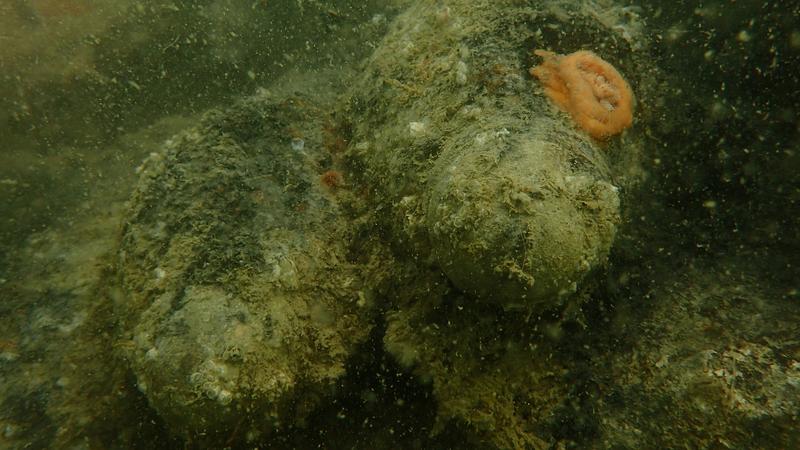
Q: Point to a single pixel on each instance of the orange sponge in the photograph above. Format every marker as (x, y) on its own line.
(589, 89)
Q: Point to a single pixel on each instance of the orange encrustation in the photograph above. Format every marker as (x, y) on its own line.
(590, 89)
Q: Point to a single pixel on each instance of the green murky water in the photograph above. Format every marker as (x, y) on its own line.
(88, 89)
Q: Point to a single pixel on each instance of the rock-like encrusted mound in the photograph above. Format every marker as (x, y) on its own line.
(711, 363)
(480, 178)
(239, 306)
(477, 169)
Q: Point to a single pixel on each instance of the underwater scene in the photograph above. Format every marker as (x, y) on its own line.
(399, 224)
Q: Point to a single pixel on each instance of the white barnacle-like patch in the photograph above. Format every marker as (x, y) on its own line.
(159, 273)
(215, 380)
(151, 354)
(416, 128)
(461, 72)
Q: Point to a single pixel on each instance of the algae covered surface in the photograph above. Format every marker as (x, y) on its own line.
(306, 224)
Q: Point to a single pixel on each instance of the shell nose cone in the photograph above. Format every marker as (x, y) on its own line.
(526, 232)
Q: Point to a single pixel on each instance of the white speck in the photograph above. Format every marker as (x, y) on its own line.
(298, 144)
(416, 128)
(362, 299)
(502, 134)
(471, 111)
(151, 354)
(461, 73)
(10, 430)
(8, 356)
(744, 36)
(378, 19)
(224, 396)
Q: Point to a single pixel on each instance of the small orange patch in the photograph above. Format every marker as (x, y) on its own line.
(332, 179)
(589, 89)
